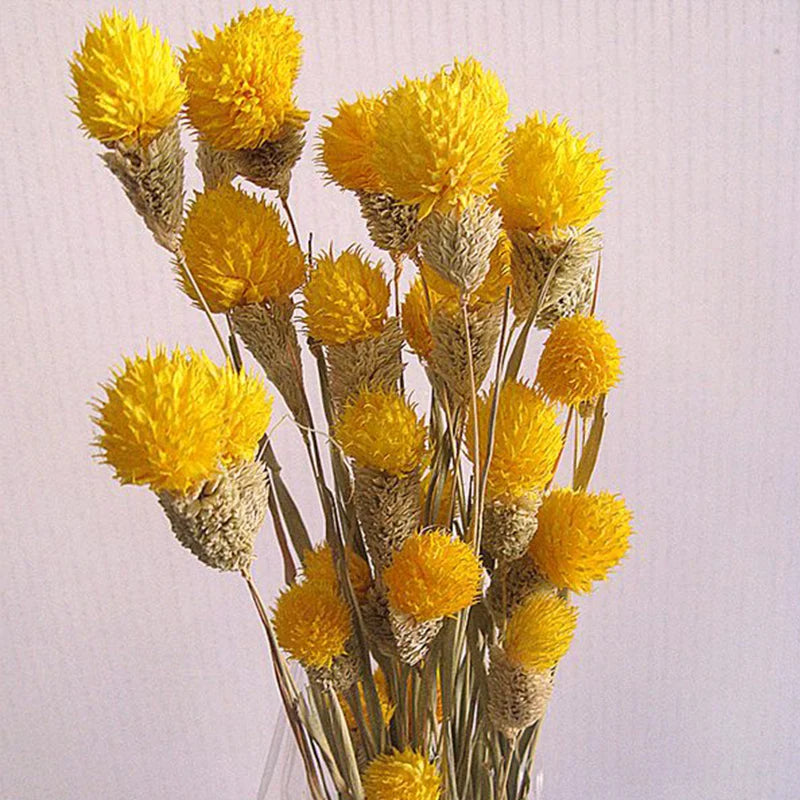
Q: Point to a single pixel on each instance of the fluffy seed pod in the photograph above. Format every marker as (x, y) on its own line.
(270, 164)
(268, 332)
(388, 509)
(375, 362)
(219, 522)
(512, 583)
(509, 527)
(152, 177)
(457, 244)
(216, 166)
(393, 226)
(343, 673)
(448, 360)
(534, 256)
(517, 697)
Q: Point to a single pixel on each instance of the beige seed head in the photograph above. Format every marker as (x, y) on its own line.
(509, 527)
(392, 225)
(216, 166)
(270, 165)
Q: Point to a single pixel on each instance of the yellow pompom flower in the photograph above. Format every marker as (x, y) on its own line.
(416, 317)
(241, 81)
(171, 421)
(347, 144)
(238, 250)
(402, 775)
(580, 361)
(127, 81)
(346, 298)
(384, 701)
(527, 441)
(433, 576)
(580, 537)
(441, 142)
(540, 631)
(380, 429)
(312, 623)
(318, 567)
(552, 180)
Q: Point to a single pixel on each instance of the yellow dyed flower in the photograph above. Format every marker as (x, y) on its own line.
(346, 298)
(580, 537)
(527, 441)
(441, 142)
(580, 361)
(171, 421)
(552, 180)
(347, 144)
(127, 81)
(402, 775)
(540, 631)
(380, 429)
(241, 81)
(433, 576)
(416, 317)
(238, 250)
(312, 623)
(384, 700)
(318, 567)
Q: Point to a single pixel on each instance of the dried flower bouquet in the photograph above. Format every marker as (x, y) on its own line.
(431, 613)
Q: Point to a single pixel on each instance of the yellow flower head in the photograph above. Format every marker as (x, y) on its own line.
(127, 81)
(384, 700)
(318, 567)
(433, 576)
(347, 144)
(402, 775)
(241, 81)
(346, 298)
(580, 361)
(380, 429)
(416, 317)
(552, 180)
(238, 250)
(441, 142)
(540, 631)
(527, 441)
(171, 421)
(580, 537)
(312, 623)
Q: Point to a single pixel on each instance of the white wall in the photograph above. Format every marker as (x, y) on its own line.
(130, 671)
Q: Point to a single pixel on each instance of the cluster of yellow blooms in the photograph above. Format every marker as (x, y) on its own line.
(442, 178)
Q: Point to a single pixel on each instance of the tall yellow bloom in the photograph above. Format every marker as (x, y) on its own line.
(441, 142)
(433, 575)
(347, 144)
(527, 441)
(552, 179)
(171, 421)
(127, 81)
(380, 429)
(580, 537)
(241, 81)
(346, 298)
(238, 250)
(402, 775)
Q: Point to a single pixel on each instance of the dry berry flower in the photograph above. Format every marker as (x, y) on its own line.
(433, 576)
(580, 361)
(552, 180)
(241, 81)
(402, 775)
(527, 441)
(379, 429)
(238, 250)
(312, 623)
(318, 567)
(346, 298)
(172, 422)
(441, 142)
(127, 81)
(347, 144)
(540, 631)
(580, 537)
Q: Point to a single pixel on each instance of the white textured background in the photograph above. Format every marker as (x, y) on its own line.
(128, 670)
